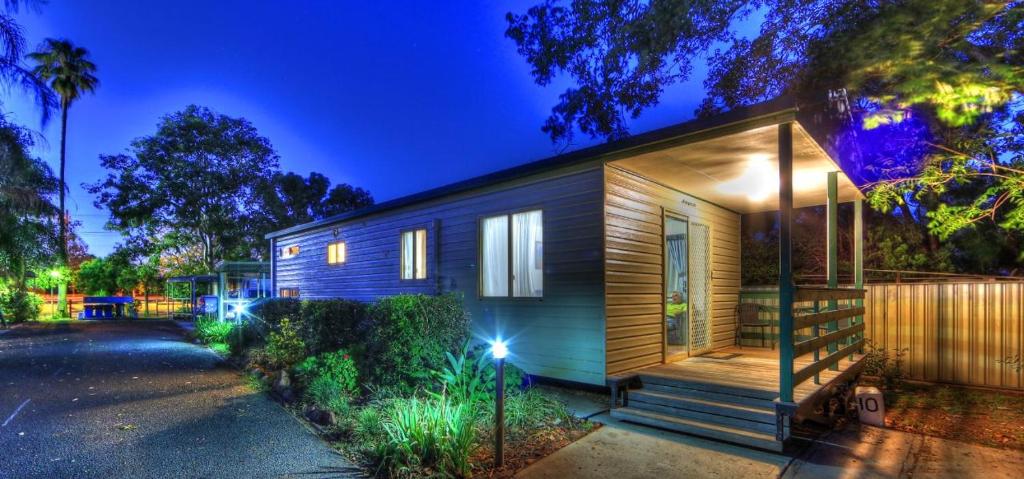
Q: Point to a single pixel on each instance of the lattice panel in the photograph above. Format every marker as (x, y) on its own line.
(700, 288)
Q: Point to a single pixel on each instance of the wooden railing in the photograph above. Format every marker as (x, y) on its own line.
(836, 324)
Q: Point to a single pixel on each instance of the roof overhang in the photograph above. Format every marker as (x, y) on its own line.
(738, 167)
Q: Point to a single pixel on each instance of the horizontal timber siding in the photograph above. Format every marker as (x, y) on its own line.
(634, 262)
(560, 336)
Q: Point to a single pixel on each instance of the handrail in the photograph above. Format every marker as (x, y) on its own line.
(804, 347)
(807, 320)
(827, 294)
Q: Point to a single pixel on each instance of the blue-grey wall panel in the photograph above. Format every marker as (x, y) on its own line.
(560, 336)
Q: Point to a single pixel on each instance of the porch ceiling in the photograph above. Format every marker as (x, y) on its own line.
(740, 171)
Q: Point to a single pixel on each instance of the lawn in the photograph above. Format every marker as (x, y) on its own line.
(978, 416)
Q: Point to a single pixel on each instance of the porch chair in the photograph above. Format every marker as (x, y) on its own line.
(748, 315)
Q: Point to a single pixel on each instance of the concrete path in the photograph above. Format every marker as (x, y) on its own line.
(621, 450)
(132, 399)
(871, 452)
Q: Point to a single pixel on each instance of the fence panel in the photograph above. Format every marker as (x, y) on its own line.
(958, 333)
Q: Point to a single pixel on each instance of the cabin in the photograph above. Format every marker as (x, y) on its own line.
(619, 265)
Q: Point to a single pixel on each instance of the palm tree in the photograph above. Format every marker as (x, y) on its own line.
(70, 74)
(12, 51)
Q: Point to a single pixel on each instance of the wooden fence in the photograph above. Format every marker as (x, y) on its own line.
(952, 332)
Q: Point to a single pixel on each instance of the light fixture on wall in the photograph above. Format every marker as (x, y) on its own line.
(759, 180)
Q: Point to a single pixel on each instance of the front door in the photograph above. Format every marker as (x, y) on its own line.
(687, 288)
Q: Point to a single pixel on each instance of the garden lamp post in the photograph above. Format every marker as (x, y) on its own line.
(499, 350)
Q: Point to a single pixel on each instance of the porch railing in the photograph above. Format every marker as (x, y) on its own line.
(836, 322)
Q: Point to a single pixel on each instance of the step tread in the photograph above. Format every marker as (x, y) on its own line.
(709, 386)
(722, 396)
(766, 411)
(698, 428)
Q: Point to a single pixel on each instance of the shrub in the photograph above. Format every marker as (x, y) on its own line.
(269, 313)
(19, 305)
(408, 336)
(246, 335)
(210, 330)
(284, 346)
(337, 367)
(433, 433)
(468, 378)
(331, 324)
(887, 367)
(369, 430)
(531, 409)
(328, 393)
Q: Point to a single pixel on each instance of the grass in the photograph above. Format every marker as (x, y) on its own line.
(220, 348)
(255, 383)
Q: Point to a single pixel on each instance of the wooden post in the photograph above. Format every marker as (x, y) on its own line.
(858, 253)
(833, 254)
(786, 262)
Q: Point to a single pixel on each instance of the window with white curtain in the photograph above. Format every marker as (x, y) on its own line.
(525, 232)
(414, 254)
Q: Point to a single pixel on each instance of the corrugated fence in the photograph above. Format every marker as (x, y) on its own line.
(956, 332)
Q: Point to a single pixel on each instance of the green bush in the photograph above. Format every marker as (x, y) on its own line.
(468, 378)
(337, 367)
(886, 367)
(369, 430)
(408, 336)
(435, 434)
(19, 305)
(331, 324)
(284, 347)
(328, 393)
(210, 330)
(530, 409)
(269, 313)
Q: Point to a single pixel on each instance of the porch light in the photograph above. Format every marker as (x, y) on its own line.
(499, 350)
(759, 180)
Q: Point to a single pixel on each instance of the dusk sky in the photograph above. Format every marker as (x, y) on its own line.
(393, 98)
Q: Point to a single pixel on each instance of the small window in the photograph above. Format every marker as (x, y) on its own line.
(524, 232)
(414, 254)
(289, 251)
(288, 292)
(336, 253)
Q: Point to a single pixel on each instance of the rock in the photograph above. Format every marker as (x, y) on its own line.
(312, 413)
(327, 418)
(320, 416)
(282, 382)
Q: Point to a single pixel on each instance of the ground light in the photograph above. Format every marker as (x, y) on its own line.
(499, 350)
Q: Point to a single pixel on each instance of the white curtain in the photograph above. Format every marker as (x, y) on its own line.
(528, 254)
(494, 260)
(407, 255)
(421, 254)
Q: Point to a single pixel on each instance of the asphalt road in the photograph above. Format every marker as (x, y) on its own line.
(133, 399)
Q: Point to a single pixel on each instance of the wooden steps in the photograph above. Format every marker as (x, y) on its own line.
(704, 407)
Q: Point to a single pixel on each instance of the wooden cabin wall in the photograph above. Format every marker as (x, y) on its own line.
(634, 264)
(560, 336)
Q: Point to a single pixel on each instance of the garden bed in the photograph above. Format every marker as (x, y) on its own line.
(978, 416)
(395, 399)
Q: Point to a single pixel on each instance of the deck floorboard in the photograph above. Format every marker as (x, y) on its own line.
(748, 368)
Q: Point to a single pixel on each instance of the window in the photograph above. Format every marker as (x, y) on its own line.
(525, 232)
(289, 251)
(336, 253)
(414, 254)
(288, 292)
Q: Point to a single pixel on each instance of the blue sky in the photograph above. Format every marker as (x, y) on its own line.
(395, 99)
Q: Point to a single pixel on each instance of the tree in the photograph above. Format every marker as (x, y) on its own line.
(952, 68)
(26, 213)
(70, 74)
(12, 51)
(288, 199)
(191, 188)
